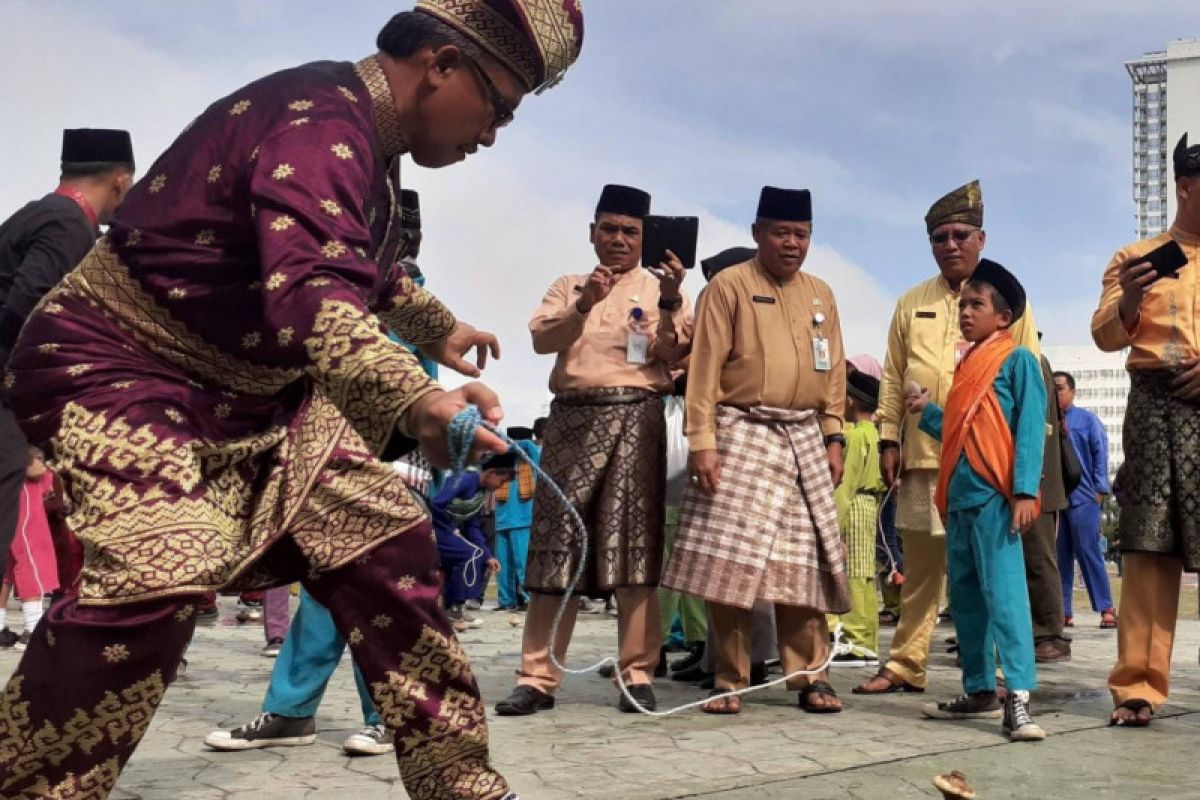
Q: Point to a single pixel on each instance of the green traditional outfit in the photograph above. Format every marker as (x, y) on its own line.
(857, 498)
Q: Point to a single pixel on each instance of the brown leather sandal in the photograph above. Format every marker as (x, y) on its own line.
(821, 689)
(894, 684)
(722, 703)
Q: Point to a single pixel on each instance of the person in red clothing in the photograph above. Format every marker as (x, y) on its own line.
(30, 566)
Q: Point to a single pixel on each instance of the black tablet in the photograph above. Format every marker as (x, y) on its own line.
(677, 234)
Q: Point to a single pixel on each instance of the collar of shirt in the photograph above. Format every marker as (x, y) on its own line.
(1184, 237)
(81, 201)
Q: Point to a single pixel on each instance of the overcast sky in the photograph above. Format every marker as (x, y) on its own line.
(877, 107)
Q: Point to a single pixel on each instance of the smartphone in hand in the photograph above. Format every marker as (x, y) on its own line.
(1167, 260)
(677, 234)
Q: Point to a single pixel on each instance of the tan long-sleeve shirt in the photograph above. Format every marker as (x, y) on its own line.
(753, 346)
(592, 347)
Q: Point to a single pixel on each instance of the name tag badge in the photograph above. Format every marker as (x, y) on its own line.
(926, 315)
(822, 361)
(758, 298)
(635, 348)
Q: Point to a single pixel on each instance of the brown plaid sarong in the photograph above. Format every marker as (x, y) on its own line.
(771, 531)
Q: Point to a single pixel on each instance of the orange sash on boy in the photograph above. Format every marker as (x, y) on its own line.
(973, 421)
(525, 483)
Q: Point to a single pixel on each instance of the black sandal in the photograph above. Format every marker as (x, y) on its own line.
(1136, 706)
(821, 689)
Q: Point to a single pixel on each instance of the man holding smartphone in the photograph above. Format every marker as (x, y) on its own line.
(1157, 320)
(615, 333)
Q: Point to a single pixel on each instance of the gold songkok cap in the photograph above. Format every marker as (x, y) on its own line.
(536, 39)
(964, 204)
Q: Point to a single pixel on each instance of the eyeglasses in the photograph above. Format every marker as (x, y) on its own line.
(959, 236)
(502, 112)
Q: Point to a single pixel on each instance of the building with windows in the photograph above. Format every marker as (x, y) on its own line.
(1101, 386)
(1165, 86)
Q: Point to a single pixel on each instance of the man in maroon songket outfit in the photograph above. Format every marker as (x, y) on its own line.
(217, 386)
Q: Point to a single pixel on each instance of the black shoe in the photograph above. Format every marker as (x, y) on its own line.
(695, 653)
(980, 705)
(691, 674)
(709, 682)
(523, 701)
(758, 673)
(660, 669)
(7, 638)
(607, 671)
(265, 730)
(643, 694)
(208, 614)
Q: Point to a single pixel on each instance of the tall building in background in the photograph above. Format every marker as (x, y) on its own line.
(1101, 386)
(1165, 87)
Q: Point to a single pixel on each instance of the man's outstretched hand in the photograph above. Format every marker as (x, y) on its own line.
(450, 351)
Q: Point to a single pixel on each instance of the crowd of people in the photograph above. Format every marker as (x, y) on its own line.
(234, 389)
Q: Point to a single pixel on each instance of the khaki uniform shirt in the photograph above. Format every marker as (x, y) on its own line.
(1168, 327)
(753, 346)
(592, 348)
(925, 345)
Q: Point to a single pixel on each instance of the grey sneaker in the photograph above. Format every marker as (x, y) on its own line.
(373, 740)
(249, 612)
(981, 705)
(265, 730)
(272, 648)
(1018, 722)
(23, 641)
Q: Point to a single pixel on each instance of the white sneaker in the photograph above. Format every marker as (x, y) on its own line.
(373, 740)
(1018, 722)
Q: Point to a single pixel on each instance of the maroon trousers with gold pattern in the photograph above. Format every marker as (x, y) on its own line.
(90, 681)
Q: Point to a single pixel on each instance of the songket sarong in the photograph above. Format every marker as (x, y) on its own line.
(1160, 480)
(607, 451)
(771, 532)
(71, 738)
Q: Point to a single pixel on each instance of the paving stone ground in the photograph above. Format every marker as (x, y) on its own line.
(879, 748)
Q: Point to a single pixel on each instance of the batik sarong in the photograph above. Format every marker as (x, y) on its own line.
(1160, 481)
(771, 531)
(70, 739)
(606, 449)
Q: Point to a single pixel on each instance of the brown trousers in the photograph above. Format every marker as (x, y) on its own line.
(802, 633)
(639, 637)
(1149, 608)
(1041, 575)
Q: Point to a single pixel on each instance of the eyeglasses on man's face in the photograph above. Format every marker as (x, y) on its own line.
(502, 112)
(945, 236)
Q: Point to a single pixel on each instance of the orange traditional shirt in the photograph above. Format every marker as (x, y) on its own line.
(1167, 331)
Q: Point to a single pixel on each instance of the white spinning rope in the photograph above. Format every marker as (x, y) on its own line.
(461, 435)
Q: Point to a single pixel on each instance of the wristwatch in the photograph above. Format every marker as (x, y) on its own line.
(671, 305)
(835, 438)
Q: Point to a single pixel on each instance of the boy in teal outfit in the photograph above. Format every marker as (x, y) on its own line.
(992, 432)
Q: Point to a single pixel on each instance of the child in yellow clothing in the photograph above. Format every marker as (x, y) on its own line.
(857, 499)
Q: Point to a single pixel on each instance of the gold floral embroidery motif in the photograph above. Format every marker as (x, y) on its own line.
(157, 184)
(318, 282)
(254, 153)
(174, 415)
(206, 237)
(381, 621)
(406, 583)
(396, 698)
(185, 613)
(415, 314)
(349, 95)
(122, 384)
(51, 639)
(332, 249)
(342, 151)
(252, 340)
(177, 293)
(298, 121)
(300, 105)
(355, 637)
(283, 171)
(78, 369)
(48, 347)
(222, 410)
(115, 653)
(331, 208)
(240, 107)
(285, 336)
(214, 173)
(276, 280)
(282, 223)
(53, 308)
(133, 239)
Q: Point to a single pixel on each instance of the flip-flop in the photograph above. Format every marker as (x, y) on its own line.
(821, 689)
(1136, 705)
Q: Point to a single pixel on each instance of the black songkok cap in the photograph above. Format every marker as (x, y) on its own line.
(519, 433)
(623, 200)
(90, 147)
(410, 209)
(726, 258)
(785, 205)
(1002, 281)
(863, 387)
(500, 461)
(1187, 159)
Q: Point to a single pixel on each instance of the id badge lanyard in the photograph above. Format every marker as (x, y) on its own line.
(638, 343)
(822, 359)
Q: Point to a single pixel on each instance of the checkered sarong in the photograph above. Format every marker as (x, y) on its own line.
(771, 531)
